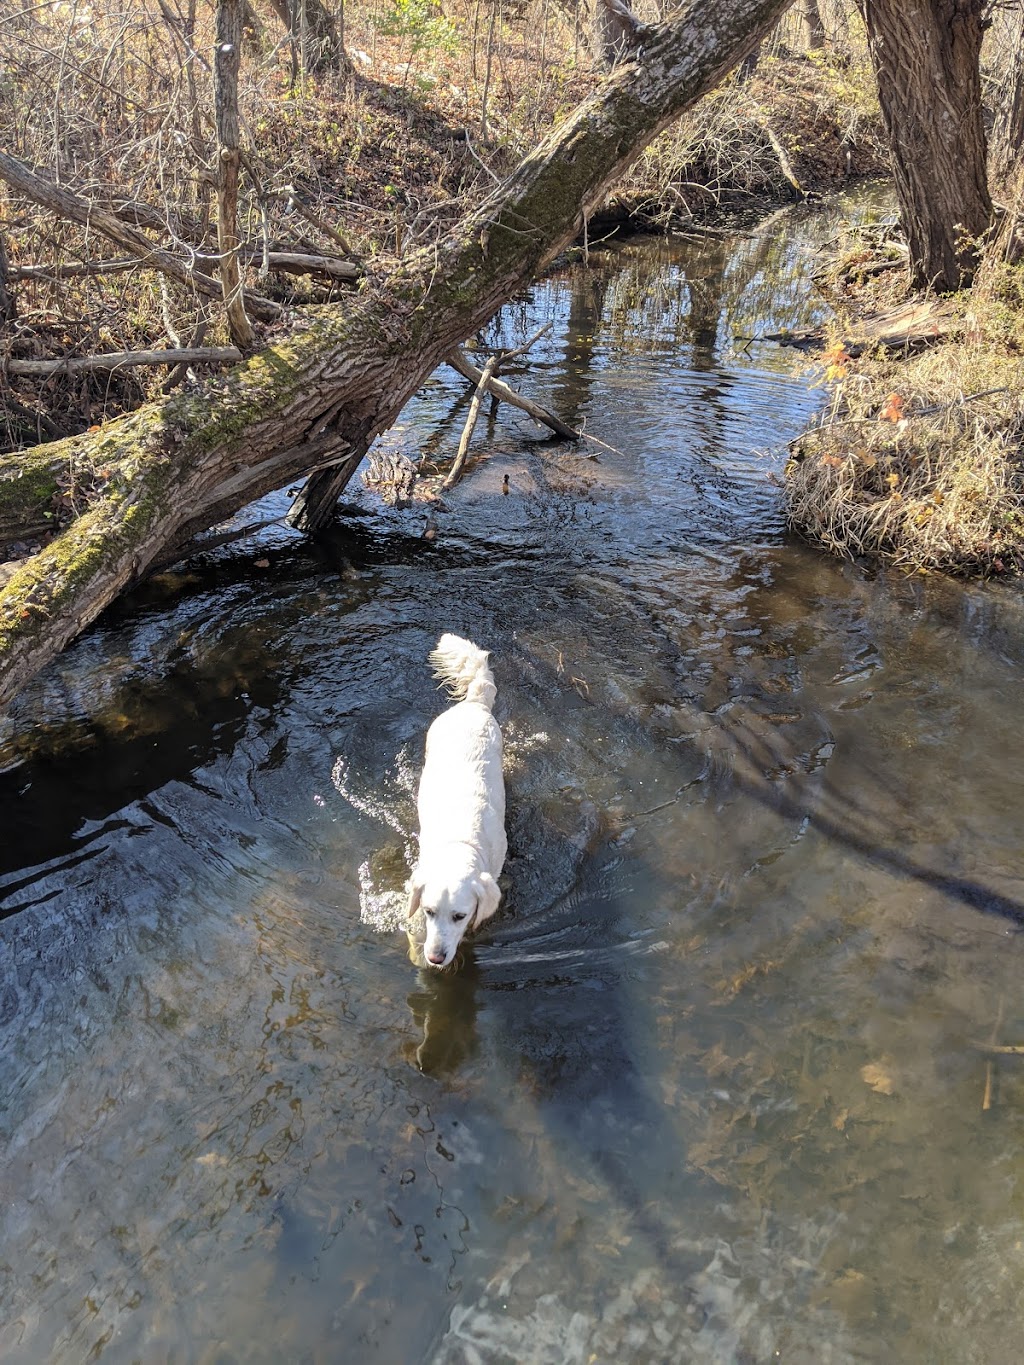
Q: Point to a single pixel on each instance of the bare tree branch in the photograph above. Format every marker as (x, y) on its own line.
(225, 92)
(65, 203)
(117, 360)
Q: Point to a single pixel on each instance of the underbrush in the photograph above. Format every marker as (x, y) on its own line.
(919, 459)
(797, 124)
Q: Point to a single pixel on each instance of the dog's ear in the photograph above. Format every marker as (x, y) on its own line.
(415, 889)
(488, 894)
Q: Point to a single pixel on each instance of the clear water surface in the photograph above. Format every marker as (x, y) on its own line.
(711, 1086)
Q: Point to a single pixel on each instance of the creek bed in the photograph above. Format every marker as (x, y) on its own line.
(708, 1088)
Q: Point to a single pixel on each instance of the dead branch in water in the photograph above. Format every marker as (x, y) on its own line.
(459, 361)
(455, 473)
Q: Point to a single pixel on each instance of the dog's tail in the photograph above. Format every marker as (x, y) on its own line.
(464, 670)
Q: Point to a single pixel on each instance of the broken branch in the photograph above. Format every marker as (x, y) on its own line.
(116, 360)
(458, 360)
(455, 473)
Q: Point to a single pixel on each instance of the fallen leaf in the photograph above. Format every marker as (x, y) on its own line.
(878, 1076)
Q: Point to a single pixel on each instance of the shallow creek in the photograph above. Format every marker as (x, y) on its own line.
(709, 1088)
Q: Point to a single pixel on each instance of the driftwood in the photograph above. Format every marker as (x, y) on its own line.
(117, 360)
(313, 402)
(392, 476)
(785, 165)
(460, 362)
(486, 381)
(920, 322)
(500, 390)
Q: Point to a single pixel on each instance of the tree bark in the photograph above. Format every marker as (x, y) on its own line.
(925, 55)
(164, 473)
(812, 28)
(8, 307)
(1007, 144)
(325, 47)
(227, 58)
(616, 31)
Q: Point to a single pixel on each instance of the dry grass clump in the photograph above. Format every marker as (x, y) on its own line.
(919, 461)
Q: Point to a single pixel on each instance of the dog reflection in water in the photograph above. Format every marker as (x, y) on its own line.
(453, 888)
(444, 1007)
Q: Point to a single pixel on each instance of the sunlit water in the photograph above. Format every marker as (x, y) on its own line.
(710, 1086)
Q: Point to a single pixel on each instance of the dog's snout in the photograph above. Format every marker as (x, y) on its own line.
(436, 959)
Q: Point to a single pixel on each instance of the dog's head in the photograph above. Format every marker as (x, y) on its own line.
(453, 902)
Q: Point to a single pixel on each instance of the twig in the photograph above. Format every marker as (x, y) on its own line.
(505, 356)
(455, 473)
(986, 1099)
(942, 407)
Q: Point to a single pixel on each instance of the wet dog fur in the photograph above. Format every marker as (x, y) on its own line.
(461, 803)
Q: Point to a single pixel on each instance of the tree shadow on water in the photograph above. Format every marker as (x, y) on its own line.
(839, 819)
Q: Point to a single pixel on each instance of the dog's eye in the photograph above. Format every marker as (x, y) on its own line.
(457, 919)
(430, 913)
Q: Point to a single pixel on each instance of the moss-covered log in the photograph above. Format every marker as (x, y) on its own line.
(175, 468)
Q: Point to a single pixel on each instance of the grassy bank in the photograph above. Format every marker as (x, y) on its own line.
(919, 458)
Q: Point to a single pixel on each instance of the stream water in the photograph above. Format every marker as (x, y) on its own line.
(710, 1087)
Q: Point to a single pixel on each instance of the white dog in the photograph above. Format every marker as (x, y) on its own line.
(461, 806)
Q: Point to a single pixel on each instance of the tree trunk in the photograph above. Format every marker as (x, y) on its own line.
(8, 307)
(225, 95)
(1008, 122)
(616, 31)
(813, 30)
(925, 55)
(324, 47)
(151, 481)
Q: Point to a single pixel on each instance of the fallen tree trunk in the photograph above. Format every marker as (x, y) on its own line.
(315, 401)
